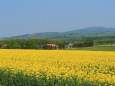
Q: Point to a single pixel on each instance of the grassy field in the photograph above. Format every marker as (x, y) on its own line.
(96, 48)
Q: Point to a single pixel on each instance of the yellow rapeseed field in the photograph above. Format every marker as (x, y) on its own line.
(91, 66)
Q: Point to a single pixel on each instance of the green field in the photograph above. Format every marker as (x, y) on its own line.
(96, 48)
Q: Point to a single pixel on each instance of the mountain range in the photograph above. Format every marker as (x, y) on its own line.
(80, 33)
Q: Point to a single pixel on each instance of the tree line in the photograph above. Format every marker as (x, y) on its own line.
(33, 43)
(83, 44)
(40, 43)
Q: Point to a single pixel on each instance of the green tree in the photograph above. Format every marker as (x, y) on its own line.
(31, 44)
(12, 44)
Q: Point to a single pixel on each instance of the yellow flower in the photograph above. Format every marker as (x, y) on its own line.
(88, 65)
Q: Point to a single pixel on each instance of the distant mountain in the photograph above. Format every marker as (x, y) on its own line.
(92, 30)
(36, 35)
(84, 35)
(80, 33)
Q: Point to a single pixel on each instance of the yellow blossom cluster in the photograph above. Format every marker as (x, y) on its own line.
(91, 66)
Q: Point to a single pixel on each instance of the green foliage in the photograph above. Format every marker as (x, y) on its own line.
(83, 44)
(33, 43)
(9, 78)
(2, 44)
(104, 42)
(12, 44)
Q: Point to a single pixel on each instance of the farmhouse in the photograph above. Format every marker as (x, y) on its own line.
(68, 44)
(51, 45)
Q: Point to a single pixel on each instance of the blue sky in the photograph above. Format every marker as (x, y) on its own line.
(18, 17)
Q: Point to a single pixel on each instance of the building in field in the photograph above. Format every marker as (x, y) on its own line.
(69, 45)
(53, 46)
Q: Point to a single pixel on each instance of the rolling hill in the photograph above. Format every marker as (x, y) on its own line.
(84, 35)
(80, 33)
(93, 30)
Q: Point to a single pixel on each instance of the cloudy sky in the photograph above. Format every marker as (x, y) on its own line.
(18, 17)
